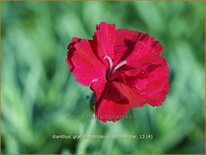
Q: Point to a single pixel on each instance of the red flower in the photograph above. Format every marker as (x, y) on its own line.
(124, 69)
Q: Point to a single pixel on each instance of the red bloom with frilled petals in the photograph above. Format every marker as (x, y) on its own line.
(124, 69)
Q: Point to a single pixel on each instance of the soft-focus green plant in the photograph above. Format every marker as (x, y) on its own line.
(39, 94)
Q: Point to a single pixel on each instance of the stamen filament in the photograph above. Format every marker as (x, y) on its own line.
(109, 61)
(111, 68)
(119, 65)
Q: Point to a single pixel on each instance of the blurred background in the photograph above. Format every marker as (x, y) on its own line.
(40, 98)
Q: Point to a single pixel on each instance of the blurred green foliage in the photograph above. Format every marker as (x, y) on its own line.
(39, 94)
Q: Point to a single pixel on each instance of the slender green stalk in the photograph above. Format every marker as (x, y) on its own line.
(83, 143)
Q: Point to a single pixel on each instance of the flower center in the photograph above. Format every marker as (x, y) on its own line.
(113, 68)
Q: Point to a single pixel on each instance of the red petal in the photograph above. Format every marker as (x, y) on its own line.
(124, 44)
(126, 40)
(152, 43)
(108, 110)
(157, 87)
(135, 99)
(111, 104)
(146, 50)
(104, 38)
(140, 55)
(153, 83)
(83, 63)
(98, 88)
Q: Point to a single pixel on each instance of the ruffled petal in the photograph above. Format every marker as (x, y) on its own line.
(151, 81)
(151, 42)
(158, 87)
(124, 44)
(132, 95)
(146, 50)
(83, 63)
(109, 110)
(111, 105)
(141, 55)
(103, 39)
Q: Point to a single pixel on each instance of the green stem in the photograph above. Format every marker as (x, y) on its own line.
(83, 143)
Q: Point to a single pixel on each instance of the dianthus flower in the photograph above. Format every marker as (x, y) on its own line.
(123, 68)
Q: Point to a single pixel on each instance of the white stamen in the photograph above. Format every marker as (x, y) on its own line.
(111, 69)
(119, 65)
(109, 61)
(94, 80)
